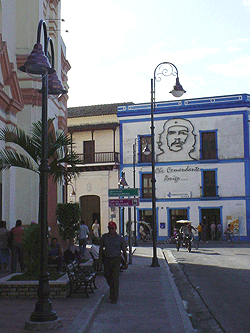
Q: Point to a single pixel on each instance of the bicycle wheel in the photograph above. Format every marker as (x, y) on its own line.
(235, 238)
(168, 240)
(224, 238)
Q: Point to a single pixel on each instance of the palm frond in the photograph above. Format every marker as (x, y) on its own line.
(36, 135)
(18, 136)
(58, 166)
(9, 158)
(57, 145)
(68, 156)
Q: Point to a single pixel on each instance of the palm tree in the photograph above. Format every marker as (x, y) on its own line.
(60, 152)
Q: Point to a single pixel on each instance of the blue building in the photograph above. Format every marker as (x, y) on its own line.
(202, 161)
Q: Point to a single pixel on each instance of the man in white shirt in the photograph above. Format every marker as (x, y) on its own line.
(83, 236)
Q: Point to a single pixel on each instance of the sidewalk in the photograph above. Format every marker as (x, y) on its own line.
(148, 301)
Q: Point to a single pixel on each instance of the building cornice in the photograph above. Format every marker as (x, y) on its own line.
(13, 103)
(64, 62)
(62, 123)
(31, 96)
(53, 2)
(206, 103)
(92, 127)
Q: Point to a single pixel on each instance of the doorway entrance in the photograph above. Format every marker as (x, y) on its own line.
(175, 215)
(89, 151)
(207, 217)
(90, 210)
(146, 215)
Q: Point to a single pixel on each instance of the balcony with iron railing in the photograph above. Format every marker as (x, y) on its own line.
(103, 157)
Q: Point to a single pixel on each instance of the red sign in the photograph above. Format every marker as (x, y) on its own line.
(124, 202)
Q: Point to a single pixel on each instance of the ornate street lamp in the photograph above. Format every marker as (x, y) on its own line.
(163, 69)
(122, 183)
(146, 152)
(38, 63)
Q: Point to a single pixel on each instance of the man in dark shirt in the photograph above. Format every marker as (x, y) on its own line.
(111, 245)
(55, 253)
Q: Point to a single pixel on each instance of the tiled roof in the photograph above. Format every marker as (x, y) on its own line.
(92, 127)
(94, 110)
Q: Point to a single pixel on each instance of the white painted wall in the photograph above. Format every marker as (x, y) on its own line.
(179, 173)
(97, 183)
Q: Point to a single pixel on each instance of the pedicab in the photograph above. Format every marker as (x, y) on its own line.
(147, 235)
(184, 236)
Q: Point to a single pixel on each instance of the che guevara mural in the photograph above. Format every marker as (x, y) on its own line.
(176, 141)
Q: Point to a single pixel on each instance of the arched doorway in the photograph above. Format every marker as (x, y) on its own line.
(90, 209)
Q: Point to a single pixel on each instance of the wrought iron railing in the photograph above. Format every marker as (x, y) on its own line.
(103, 157)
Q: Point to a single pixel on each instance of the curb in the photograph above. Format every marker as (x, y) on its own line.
(84, 319)
(183, 314)
(200, 314)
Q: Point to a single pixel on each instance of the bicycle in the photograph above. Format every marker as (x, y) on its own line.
(148, 237)
(195, 243)
(169, 240)
(230, 237)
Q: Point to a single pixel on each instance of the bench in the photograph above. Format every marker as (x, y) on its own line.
(96, 265)
(86, 270)
(79, 282)
(53, 267)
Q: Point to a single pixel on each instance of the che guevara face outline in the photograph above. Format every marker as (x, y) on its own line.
(176, 137)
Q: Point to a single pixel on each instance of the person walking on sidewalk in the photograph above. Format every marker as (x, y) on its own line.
(17, 248)
(96, 229)
(199, 228)
(111, 245)
(83, 236)
(4, 251)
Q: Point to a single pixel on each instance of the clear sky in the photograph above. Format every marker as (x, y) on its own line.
(113, 47)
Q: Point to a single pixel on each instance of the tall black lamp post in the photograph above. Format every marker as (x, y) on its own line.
(38, 63)
(122, 183)
(163, 69)
(134, 153)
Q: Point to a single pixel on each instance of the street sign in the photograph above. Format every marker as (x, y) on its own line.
(131, 202)
(123, 192)
(179, 195)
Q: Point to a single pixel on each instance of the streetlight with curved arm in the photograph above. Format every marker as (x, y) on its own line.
(161, 70)
(38, 63)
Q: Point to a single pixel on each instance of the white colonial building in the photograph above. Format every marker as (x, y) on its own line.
(95, 131)
(20, 102)
(202, 161)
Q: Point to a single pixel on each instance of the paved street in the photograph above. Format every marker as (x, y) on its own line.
(214, 286)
